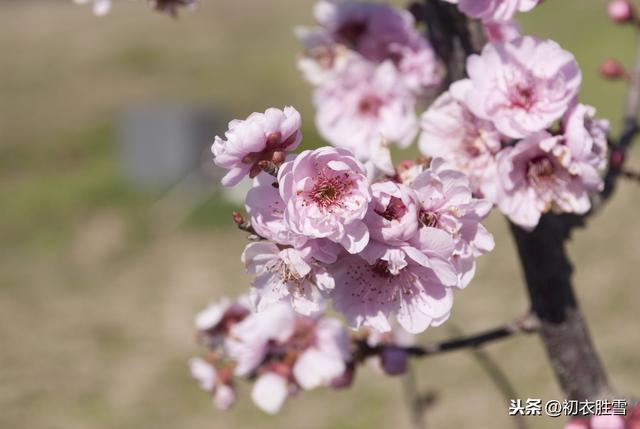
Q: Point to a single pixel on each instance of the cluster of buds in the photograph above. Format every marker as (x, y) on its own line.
(620, 12)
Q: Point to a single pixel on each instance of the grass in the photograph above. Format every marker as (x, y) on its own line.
(97, 296)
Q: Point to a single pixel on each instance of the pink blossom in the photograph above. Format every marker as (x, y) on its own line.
(404, 284)
(286, 274)
(326, 195)
(289, 352)
(494, 10)
(502, 31)
(216, 320)
(452, 132)
(323, 60)
(535, 180)
(270, 392)
(266, 209)
(380, 33)
(522, 86)
(213, 381)
(323, 354)
(249, 341)
(366, 104)
(446, 204)
(261, 137)
(585, 138)
(393, 213)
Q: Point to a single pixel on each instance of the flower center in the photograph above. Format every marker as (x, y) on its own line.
(539, 168)
(369, 105)
(381, 269)
(395, 210)
(523, 97)
(329, 191)
(429, 219)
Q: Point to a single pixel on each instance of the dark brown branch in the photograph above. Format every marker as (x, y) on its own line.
(524, 325)
(453, 36)
(564, 333)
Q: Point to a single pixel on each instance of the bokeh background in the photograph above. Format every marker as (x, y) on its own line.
(100, 277)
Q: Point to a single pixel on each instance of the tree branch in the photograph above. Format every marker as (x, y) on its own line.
(628, 131)
(524, 325)
(564, 333)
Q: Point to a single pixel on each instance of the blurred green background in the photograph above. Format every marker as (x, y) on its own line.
(98, 291)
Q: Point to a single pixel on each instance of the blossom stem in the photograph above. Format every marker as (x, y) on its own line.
(244, 225)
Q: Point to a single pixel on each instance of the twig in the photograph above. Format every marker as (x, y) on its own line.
(631, 175)
(524, 325)
(245, 225)
(629, 129)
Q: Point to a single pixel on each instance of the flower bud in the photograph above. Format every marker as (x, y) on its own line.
(346, 379)
(612, 69)
(394, 360)
(620, 11)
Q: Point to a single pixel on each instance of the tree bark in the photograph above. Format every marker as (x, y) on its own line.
(563, 330)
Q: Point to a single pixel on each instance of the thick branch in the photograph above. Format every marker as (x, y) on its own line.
(453, 36)
(563, 330)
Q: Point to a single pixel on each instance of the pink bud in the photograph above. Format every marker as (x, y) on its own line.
(612, 69)
(617, 158)
(620, 11)
(346, 379)
(394, 360)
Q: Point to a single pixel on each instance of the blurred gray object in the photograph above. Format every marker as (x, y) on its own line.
(162, 144)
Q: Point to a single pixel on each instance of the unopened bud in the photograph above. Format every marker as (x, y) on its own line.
(612, 69)
(394, 360)
(346, 379)
(237, 218)
(278, 157)
(620, 11)
(617, 158)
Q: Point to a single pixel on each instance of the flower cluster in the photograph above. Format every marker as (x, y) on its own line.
(281, 351)
(377, 247)
(515, 126)
(368, 64)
